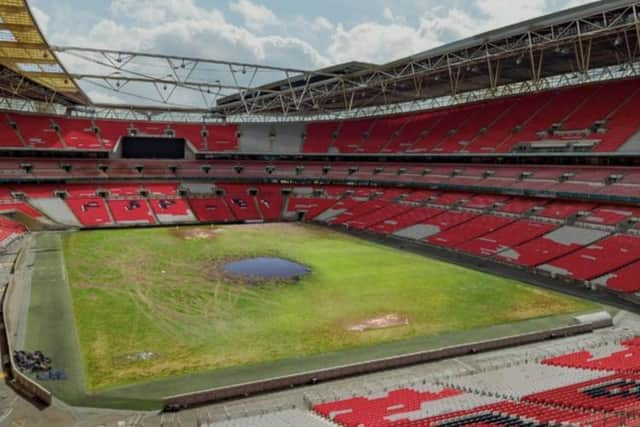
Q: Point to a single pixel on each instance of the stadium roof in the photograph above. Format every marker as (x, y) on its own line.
(28, 67)
(595, 41)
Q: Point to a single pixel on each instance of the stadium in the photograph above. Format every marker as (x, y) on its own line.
(448, 239)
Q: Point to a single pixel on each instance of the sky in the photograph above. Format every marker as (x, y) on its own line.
(290, 33)
(300, 34)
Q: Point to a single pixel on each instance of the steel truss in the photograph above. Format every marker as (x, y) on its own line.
(591, 43)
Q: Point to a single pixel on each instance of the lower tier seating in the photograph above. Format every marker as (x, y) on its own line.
(559, 242)
(622, 358)
(360, 411)
(211, 210)
(506, 238)
(598, 258)
(131, 211)
(90, 211)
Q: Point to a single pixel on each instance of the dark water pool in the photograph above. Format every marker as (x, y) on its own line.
(266, 268)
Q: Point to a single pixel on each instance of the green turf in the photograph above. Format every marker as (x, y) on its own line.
(150, 290)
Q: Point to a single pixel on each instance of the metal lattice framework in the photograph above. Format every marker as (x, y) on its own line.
(28, 67)
(595, 42)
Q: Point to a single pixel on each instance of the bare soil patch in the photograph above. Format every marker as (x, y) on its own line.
(387, 321)
(197, 233)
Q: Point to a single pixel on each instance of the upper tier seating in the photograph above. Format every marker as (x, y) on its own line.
(37, 131)
(319, 137)
(8, 135)
(78, 133)
(110, 132)
(351, 135)
(600, 117)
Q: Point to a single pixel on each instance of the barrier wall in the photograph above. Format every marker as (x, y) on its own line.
(280, 383)
(22, 383)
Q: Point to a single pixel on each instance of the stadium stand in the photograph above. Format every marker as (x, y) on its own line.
(623, 357)
(476, 227)
(360, 411)
(131, 211)
(78, 133)
(484, 127)
(37, 131)
(211, 210)
(623, 280)
(597, 259)
(90, 211)
(555, 244)
(172, 211)
(510, 236)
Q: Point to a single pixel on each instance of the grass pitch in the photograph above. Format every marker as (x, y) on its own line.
(149, 304)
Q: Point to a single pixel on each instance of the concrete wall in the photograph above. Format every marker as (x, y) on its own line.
(21, 382)
(243, 390)
(276, 138)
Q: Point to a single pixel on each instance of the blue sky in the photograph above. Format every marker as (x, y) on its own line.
(301, 34)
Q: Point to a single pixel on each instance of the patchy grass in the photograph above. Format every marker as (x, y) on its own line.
(151, 290)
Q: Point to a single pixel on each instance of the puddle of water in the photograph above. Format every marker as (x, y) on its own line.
(266, 268)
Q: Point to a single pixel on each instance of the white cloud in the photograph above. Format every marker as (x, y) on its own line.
(42, 19)
(320, 23)
(377, 43)
(256, 17)
(394, 38)
(574, 3)
(185, 28)
(182, 28)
